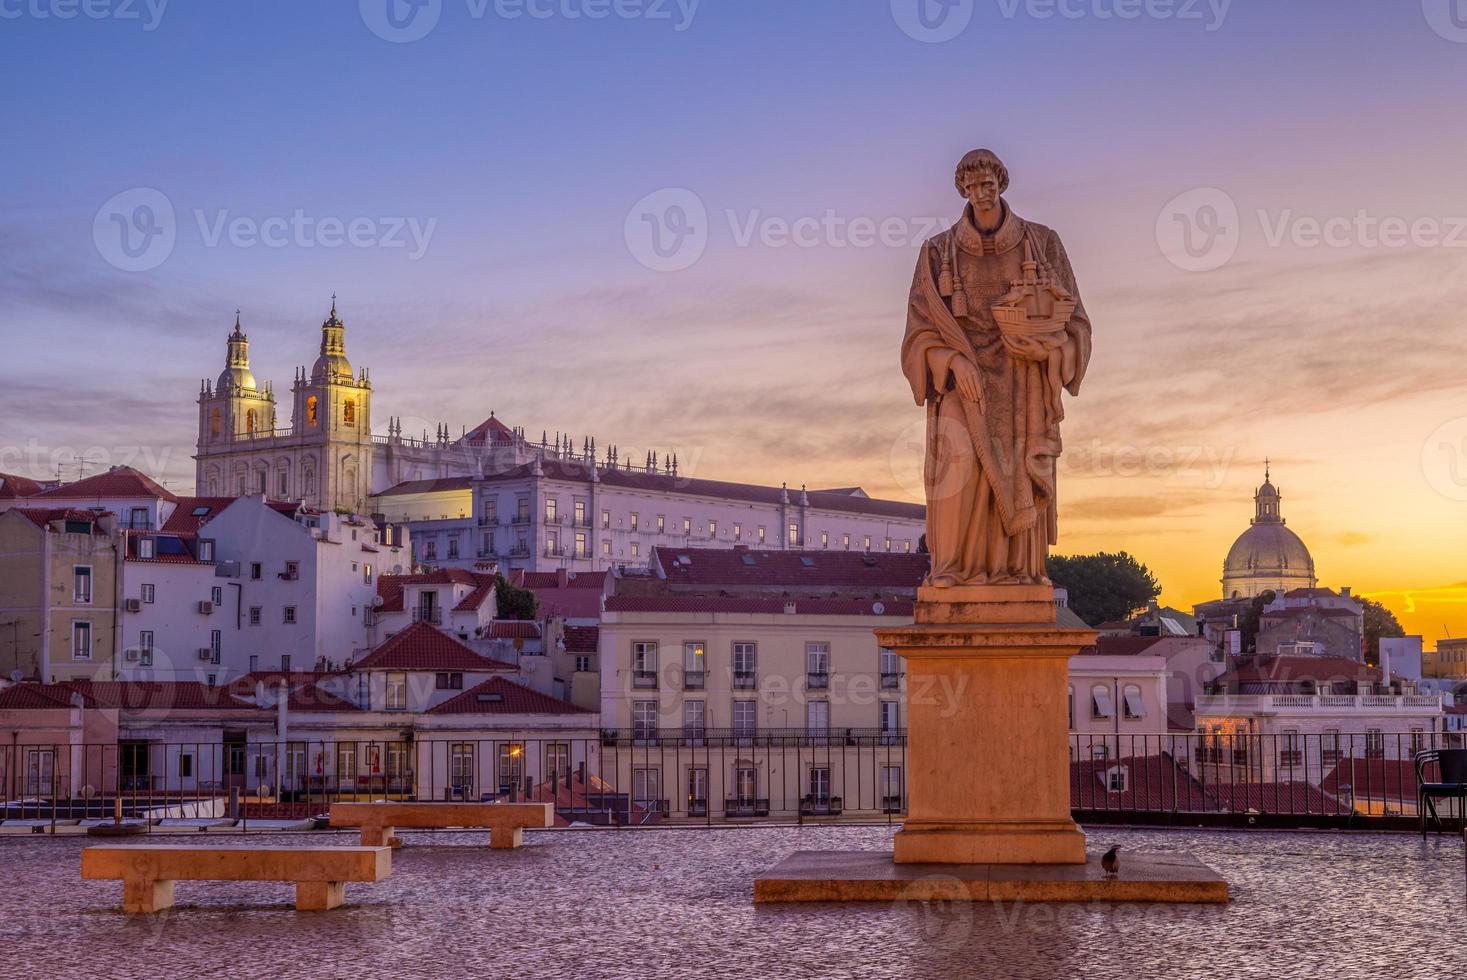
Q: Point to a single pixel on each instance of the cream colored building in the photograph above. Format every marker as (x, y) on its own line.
(1267, 556)
(1447, 662)
(58, 581)
(744, 706)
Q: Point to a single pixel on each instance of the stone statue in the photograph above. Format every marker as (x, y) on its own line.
(995, 332)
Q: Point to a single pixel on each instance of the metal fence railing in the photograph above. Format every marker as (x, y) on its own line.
(692, 776)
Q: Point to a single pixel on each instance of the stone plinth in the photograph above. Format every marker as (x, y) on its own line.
(988, 772)
(872, 876)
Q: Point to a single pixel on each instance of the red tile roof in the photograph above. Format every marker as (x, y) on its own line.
(13, 487)
(574, 472)
(422, 647)
(1283, 797)
(29, 696)
(566, 594)
(306, 694)
(747, 567)
(582, 639)
(1154, 782)
(1311, 594)
(490, 430)
(172, 695)
(498, 696)
(1122, 646)
(119, 481)
(390, 587)
(170, 549)
(1298, 611)
(1372, 779)
(1273, 669)
(43, 518)
(183, 520)
(512, 629)
(748, 604)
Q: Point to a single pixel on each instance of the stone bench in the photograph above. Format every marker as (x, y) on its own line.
(506, 821)
(148, 871)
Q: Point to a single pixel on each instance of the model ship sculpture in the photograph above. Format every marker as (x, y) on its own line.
(1033, 314)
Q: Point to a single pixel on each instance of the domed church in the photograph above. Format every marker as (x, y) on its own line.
(1267, 555)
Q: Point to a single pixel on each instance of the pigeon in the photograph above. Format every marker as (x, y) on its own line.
(1111, 861)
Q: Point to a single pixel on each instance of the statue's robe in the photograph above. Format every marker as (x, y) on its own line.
(990, 470)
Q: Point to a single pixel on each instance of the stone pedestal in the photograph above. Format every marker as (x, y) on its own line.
(988, 771)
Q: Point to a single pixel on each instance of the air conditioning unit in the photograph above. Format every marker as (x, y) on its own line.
(205, 653)
(134, 605)
(132, 655)
(206, 608)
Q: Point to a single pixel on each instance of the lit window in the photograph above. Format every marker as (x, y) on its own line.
(289, 615)
(81, 641)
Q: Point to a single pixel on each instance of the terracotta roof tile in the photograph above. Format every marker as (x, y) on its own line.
(22, 697)
(512, 629)
(582, 639)
(498, 696)
(43, 518)
(751, 604)
(119, 481)
(748, 567)
(13, 487)
(423, 647)
(184, 520)
(172, 695)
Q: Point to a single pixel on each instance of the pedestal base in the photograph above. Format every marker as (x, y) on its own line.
(872, 876)
(1056, 842)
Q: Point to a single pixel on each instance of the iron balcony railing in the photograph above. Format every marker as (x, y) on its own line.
(434, 616)
(693, 680)
(744, 680)
(644, 680)
(817, 680)
(890, 680)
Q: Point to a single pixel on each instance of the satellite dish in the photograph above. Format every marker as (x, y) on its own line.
(878, 607)
(377, 602)
(17, 675)
(262, 790)
(88, 791)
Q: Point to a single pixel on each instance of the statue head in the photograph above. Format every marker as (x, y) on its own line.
(982, 178)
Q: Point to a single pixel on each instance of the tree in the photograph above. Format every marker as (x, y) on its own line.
(1248, 622)
(1379, 622)
(1104, 586)
(512, 601)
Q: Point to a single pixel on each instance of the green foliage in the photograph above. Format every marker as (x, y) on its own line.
(514, 602)
(1248, 622)
(1379, 622)
(1104, 586)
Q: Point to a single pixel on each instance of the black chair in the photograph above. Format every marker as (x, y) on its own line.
(1451, 783)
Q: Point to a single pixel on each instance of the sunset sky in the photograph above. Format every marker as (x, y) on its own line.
(1318, 323)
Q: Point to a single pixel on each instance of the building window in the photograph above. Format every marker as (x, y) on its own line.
(820, 784)
(206, 550)
(81, 583)
(890, 717)
(289, 615)
(186, 765)
(891, 787)
(644, 719)
(145, 647)
(644, 663)
(430, 550)
(145, 548)
(552, 542)
(743, 665)
(661, 523)
(687, 525)
(738, 531)
(81, 641)
(580, 512)
(260, 479)
(583, 664)
(888, 544)
(713, 529)
(817, 663)
(1135, 708)
(794, 531)
(817, 717)
(214, 423)
(256, 612)
(346, 763)
(216, 644)
(583, 550)
(695, 716)
(646, 785)
(825, 539)
(636, 550)
(632, 521)
(349, 412)
(1100, 703)
(312, 410)
(216, 595)
(257, 571)
(451, 681)
(907, 545)
(845, 541)
(284, 484)
(367, 574)
(396, 691)
(867, 545)
(148, 593)
(453, 547)
(606, 518)
(745, 717)
(761, 533)
(1374, 744)
(552, 507)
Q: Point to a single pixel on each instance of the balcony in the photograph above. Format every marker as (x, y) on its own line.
(554, 552)
(697, 808)
(433, 616)
(744, 680)
(1365, 704)
(891, 804)
(890, 680)
(694, 680)
(488, 522)
(520, 520)
(821, 806)
(695, 735)
(746, 808)
(817, 681)
(644, 680)
(520, 551)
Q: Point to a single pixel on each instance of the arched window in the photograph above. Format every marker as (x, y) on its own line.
(312, 416)
(214, 422)
(250, 420)
(349, 412)
(1134, 707)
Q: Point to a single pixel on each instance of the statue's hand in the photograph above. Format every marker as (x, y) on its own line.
(966, 380)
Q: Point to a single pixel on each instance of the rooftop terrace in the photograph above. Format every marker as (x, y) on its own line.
(677, 903)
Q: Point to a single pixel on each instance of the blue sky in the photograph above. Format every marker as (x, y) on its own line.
(518, 147)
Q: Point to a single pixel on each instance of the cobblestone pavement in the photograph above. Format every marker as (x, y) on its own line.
(677, 903)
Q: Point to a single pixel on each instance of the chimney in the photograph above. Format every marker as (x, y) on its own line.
(1385, 668)
(1345, 591)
